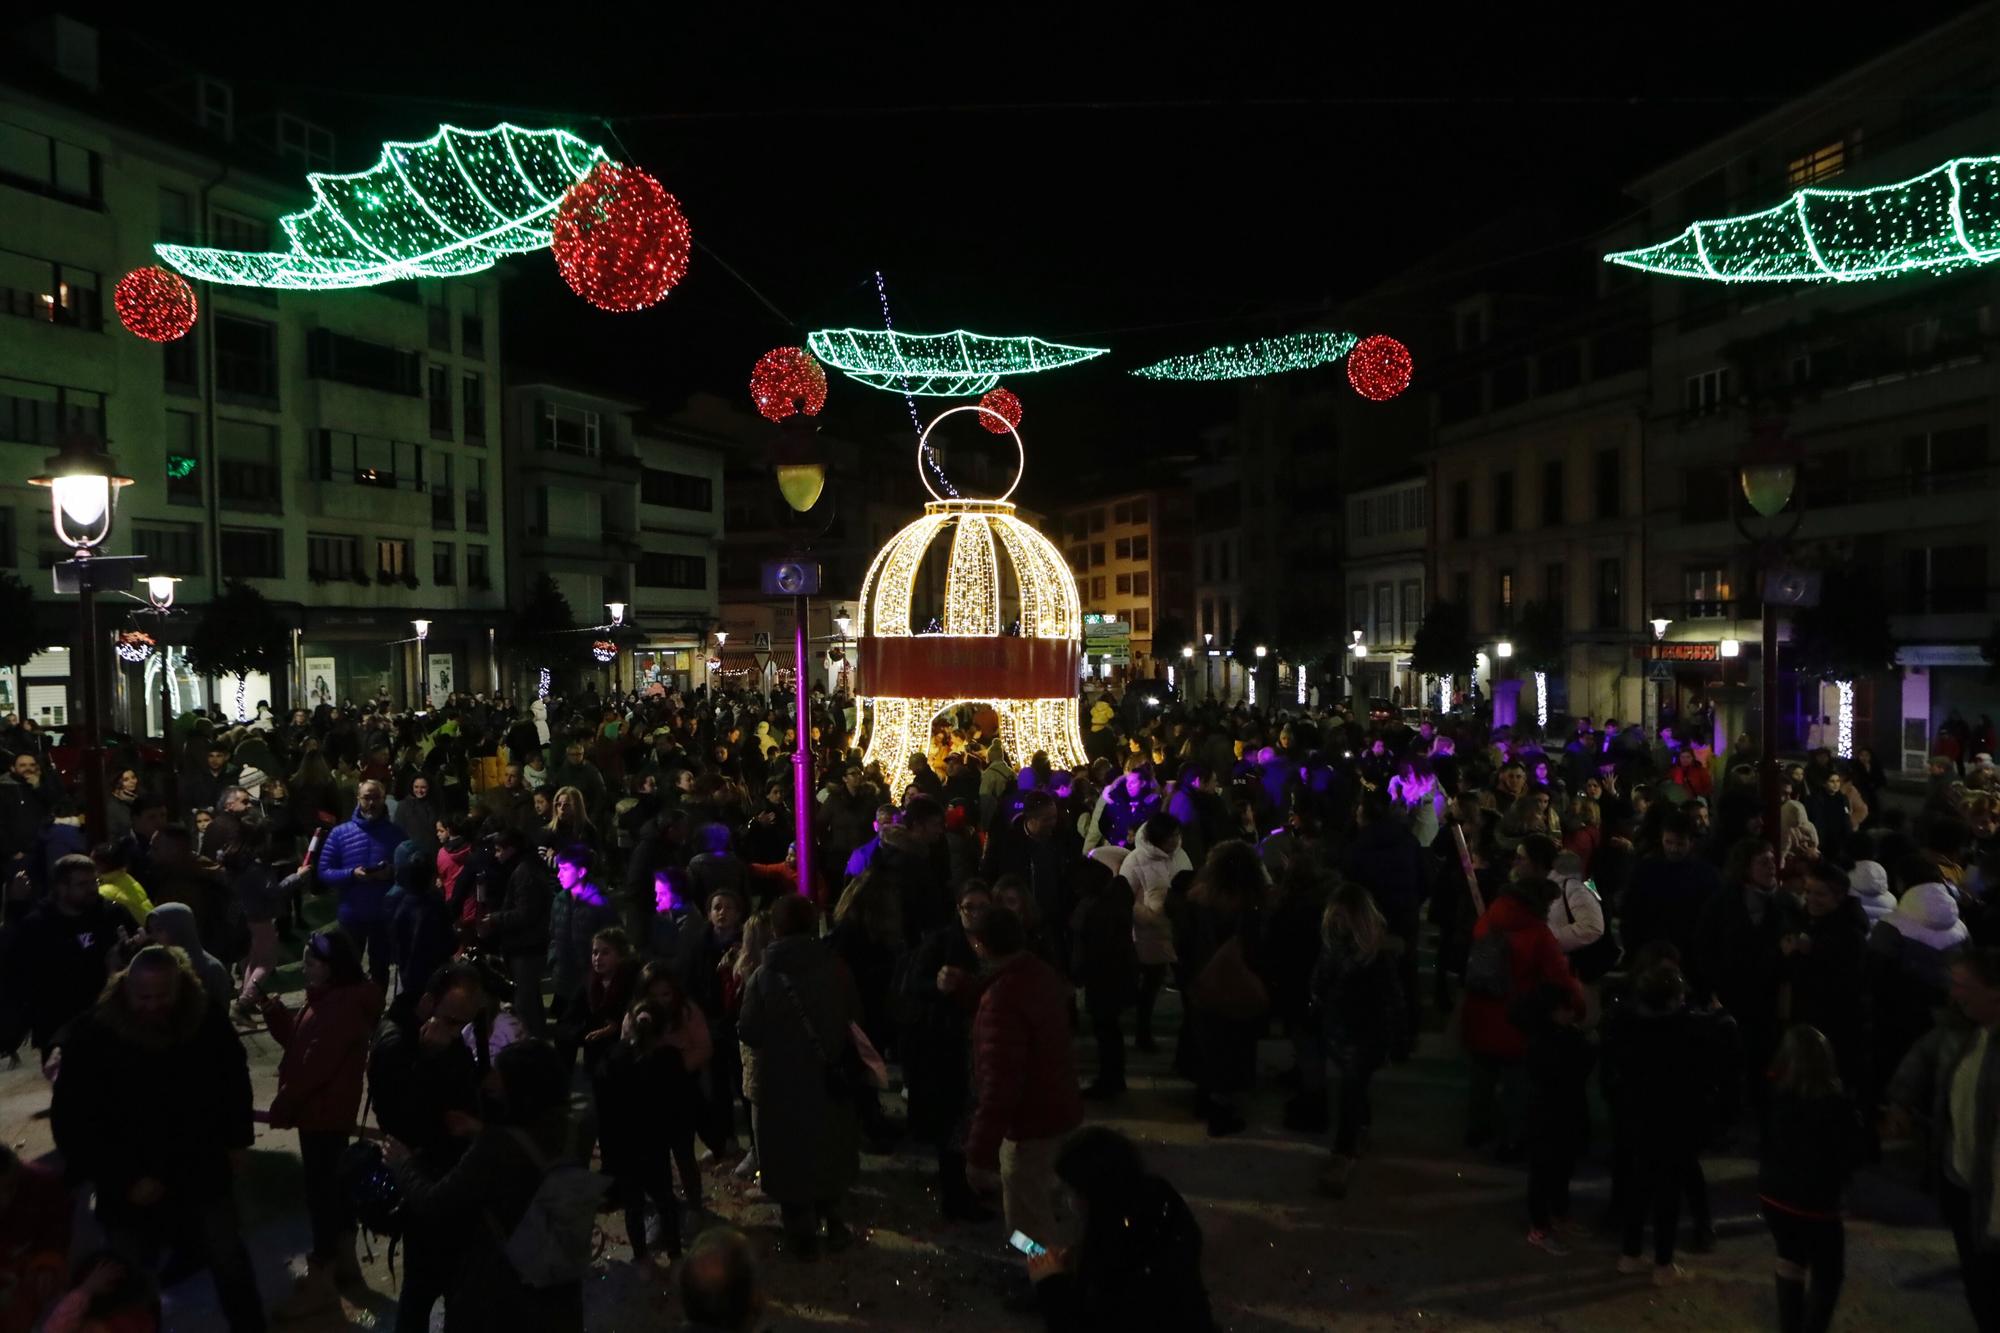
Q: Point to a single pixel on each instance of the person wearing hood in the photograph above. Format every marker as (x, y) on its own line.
(1825, 967)
(1156, 860)
(417, 816)
(174, 924)
(1909, 968)
(66, 947)
(1869, 883)
(319, 1094)
(421, 938)
(152, 1112)
(358, 863)
(796, 1011)
(1138, 1264)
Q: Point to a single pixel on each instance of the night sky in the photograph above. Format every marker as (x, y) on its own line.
(1136, 180)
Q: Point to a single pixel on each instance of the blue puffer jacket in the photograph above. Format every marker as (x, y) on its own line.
(356, 845)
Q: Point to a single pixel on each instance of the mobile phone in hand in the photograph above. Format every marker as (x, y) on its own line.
(1019, 1240)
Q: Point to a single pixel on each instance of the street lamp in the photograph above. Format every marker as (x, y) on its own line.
(83, 485)
(160, 593)
(160, 590)
(617, 610)
(801, 473)
(1731, 648)
(1660, 624)
(1768, 474)
(1504, 648)
(423, 628)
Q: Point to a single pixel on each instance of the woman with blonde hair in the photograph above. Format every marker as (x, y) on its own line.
(1806, 1160)
(1359, 996)
(569, 822)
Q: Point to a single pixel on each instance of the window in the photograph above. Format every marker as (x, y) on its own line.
(246, 358)
(1559, 368)
(1140, 511)
(472, 335)
(304, 143)
(1946, 579)
(1097, 589)
(1606, 482)
(1461, 588)
(1610, 593)
(1508, 384)
(1504, 599)
(1552, 493)
(1555, 592)
(1411, 613)
(1207, 563)
(476, 575)
(238, 231)
(215, 106)
(10, 549)
(246, 468)
(1705, 393)
(42, 289)
(180, 366)
(368, 365)
(1707, 591)
(1122, 548)
(566, 511)
(437, 318)
(34, 413)
(439, 384)
(370, 460)
(1222, 552)
(1939, 458)
(253, 553)
(177, 217)
(171, 548)
(1121, 512)
(1385, 614)
(392, 558)
(660, 569)
(1142, 548)
(1079, 558)
(569, 430)
(1142, 620)
(676, 490)
(1503, 502)
(1706, 493)
(1122, 585)
(1461, 509)
(331, 556)
(1142, 584)
(444, 565)
(1097, 520)
(1817, 164)
(472, 394)
(1471, 326)
(50, 166)
(1096, 554)
(183, 458)
(444, 500)
(475, 504)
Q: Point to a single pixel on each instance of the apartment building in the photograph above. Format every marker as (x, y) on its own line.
(1889, 390)
(1131, 553)
(1384, 560)
(331, 449)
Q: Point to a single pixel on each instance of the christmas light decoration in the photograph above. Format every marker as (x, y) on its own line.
(1844, 737)
(604, 650)
(133, 645)
(786, 381)
(1302, 684)
(1261, 356)
(449, 205)
(620, 240)
(180, 465)
(542, 680)
(938, 365)
(1003, 405)
(1947, 218)
(1027, 677)
(1542, 700)
(1379, 367)
(154, 304)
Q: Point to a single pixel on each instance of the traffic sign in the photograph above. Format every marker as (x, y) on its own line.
(1661, 671)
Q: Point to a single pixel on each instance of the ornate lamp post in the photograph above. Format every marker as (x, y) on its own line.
(423, 628)
(1768, 474)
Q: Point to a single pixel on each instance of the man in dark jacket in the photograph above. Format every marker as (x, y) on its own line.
(519, 927)
(66, 948)
(1036, 846)
(913, 856)
(358, 862)
(1738, 958)
(938, 988)
(1668, 891)
(25, 804)
(1027, 1095)
(1386, 859)
(152, 1110)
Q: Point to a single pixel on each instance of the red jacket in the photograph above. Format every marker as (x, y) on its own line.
(1022, 1060)
(1534, 958)
(326, 1053)
(1694, 779)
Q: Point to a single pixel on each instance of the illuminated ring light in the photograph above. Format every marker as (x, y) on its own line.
(1020, 452)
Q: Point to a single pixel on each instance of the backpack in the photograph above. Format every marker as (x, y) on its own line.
(552, 1243)
(1488, 969)
(1597, 958)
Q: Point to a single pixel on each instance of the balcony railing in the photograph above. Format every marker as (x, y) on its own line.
(1706, 608)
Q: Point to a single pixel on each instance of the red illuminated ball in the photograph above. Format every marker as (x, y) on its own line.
(1379, 367)
(154, 304)
(1006, 404)
(619, 239)
(787, 381)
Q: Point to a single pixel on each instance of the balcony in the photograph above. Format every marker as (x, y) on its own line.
(1706, 609)
(375, 506)
(243, 484)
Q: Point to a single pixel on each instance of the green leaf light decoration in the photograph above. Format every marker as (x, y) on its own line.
(447, 206)
(180, 465)
(938, 365)
(1262, 356)
(1947, 218)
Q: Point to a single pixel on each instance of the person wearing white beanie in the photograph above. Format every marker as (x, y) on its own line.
(1869, 883)
(1909, 968)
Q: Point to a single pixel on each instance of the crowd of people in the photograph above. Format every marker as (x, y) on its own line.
(575, 933)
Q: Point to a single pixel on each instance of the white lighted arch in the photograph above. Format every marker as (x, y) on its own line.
(1020, 452)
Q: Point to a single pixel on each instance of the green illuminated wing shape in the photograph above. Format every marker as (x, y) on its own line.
(449, 205)
(938, 365)
(1947, 218)
(1262, 356)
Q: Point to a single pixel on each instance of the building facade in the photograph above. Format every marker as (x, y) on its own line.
(1130, 553)
(675, 602)
(1385, 559)
(335, 451)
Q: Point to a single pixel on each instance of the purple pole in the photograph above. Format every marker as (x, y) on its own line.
(802, 779)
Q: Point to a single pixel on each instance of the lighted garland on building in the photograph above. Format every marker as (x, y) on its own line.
(620, 240)
(1379, 367)
(1006, 409)
(449, 205)
(154, 304)
(1251, 360)
(1947, 218)
(786, 381)
(938, 365)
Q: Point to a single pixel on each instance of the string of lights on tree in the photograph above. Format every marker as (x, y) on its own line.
(1947, 218)
(939, 365)
(449, 205)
